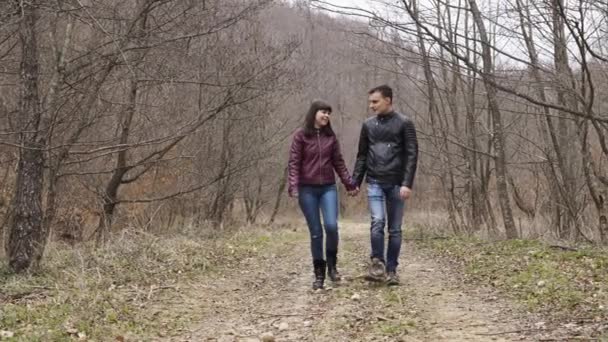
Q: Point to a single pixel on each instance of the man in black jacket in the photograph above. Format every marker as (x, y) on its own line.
(388, 154)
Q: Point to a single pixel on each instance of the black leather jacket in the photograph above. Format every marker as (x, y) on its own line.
(388, 150)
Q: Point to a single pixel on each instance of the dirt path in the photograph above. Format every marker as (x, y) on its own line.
(271, 294)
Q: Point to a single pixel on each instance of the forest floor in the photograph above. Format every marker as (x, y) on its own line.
(256, 286)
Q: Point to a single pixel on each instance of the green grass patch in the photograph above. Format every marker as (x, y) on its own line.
(395, 328)
(555, 281)
(392, 296)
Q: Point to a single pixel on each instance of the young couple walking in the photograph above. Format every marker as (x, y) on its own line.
(387, 156)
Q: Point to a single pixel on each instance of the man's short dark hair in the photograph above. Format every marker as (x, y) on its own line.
(384, 90)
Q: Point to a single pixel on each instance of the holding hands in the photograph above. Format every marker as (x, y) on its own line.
(293, 193)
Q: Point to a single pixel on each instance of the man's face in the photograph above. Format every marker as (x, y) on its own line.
(379, 104)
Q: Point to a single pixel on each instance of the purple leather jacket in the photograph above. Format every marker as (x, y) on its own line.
(313, 159)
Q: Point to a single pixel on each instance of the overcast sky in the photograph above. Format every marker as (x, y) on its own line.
(352, 3)
(506, 40)
(366, 4)
(380, 7)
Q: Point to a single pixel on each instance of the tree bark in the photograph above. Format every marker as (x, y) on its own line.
(110, 195)
(497, 127)
(568, 227)
(280, 191)
(27, 240)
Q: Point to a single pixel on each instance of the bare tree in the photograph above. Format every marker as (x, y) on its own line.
(560, 108)
(500, 160)
(26, 237)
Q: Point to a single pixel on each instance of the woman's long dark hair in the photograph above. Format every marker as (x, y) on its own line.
(309, 120)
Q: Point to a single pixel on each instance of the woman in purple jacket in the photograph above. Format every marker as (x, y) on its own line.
(313, 157)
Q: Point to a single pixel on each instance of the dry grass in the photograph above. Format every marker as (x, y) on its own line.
(427, 223)
(111, 292)
(567, 286)
(543, 275)
(564, 283)
(435, 222)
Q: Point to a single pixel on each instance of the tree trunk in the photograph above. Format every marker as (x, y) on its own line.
(498, 132)
(555, 172)
(56, 160)
(27, 239)
(567, 143)
(473, 177)
(598, 192)
(447, 175)
(520, 202)
(223, 196)
(109, 202)
(110, 196)
(277, 202)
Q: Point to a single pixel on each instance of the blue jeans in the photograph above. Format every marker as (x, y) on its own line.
(377, 195)
(313, 198)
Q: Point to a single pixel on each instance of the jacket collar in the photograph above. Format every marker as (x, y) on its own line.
(386, 116)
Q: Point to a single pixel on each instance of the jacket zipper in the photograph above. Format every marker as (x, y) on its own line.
(320, 166)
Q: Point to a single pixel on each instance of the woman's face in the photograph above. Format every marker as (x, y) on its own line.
(322, 118)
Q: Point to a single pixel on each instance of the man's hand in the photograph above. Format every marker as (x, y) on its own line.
(354, 193)
(405, 192)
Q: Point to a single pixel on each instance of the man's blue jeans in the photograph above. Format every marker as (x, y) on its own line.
(381, 197)
(313, 198)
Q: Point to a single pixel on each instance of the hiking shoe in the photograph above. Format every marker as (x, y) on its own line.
(392, 279)
(376, 270)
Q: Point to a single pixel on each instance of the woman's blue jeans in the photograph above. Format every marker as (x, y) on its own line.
(316, 200)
